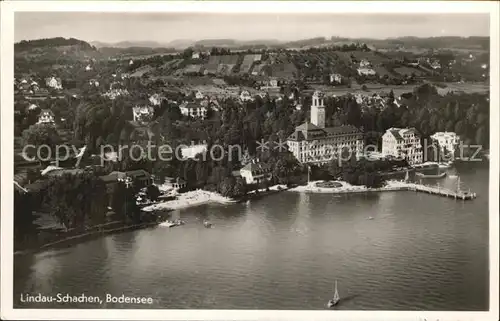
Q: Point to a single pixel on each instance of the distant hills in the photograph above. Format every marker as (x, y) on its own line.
(128, 44)
(185, 43)
(429, 42)
(77, 48)
(58, 48)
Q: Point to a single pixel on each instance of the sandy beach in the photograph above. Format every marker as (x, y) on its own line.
(188, 199)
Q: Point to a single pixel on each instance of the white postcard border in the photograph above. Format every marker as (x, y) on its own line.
(7, 76)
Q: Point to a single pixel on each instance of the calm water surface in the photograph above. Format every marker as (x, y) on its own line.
(420, 252)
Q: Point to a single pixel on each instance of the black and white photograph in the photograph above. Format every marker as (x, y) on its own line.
(250, 160)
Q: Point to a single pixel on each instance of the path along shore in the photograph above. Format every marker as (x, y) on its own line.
(390, 186)
(348, 188)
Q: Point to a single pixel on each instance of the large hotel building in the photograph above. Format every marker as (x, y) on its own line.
(403, 143)
(314, 143)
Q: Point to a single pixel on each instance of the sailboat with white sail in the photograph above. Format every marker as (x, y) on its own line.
(336, 298)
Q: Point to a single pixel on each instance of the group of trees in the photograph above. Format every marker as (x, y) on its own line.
(77, 201)
(82, 200)
(24, 204)
(426, 110)
(269, 120)
(362, 171)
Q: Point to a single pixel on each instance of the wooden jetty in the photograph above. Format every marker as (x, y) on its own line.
(437, 190)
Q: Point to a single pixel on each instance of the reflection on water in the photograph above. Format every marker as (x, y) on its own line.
(285, 251)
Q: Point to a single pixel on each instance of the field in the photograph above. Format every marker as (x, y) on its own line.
(398, 90)
(465, 87)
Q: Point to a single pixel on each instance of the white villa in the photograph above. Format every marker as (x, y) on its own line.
(32, 107)
(156, 99)
(402, 143)
(114, 93)
(312, 142)
(46, 117)
(447, 141)
(335, 78)
(199, 95)
(53, 82)
(245, 96)
(193, 150)
(255, 173)
(435, 65)
(364, 64)
(366, 72)
(142, 113)
(193, 110)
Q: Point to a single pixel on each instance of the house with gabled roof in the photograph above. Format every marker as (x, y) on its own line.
(143, 114)
(46, 117)
(245, 96)
(256, 172)
(53, 82)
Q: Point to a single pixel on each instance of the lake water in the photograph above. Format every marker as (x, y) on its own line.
(285, 251)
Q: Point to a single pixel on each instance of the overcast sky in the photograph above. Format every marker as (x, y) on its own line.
(165, 27)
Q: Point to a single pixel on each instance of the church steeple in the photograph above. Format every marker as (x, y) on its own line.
(318, 109)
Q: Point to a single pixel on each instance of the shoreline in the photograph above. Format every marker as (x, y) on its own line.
(350, 189)
(200, 197)
(391, 186)
(53, 244)
(190, 199)
(185, 200)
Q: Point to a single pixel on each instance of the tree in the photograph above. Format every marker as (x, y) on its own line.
(353, 113)
(77, 201)
(459, 127)
(240, 188)
(124, 202)
(118, 198)
(152, 192)
(226, 186)
(334, 169)
(42, 135)
(33, 175)
(481, 138)
(23, 216)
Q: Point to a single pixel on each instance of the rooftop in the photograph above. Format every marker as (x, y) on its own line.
(308, 131)
(253, 167)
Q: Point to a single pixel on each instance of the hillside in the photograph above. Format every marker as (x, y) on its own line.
(55, 49)
(128, 44)
(467, 43)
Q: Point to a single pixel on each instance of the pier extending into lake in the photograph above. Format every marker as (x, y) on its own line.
(461, 195)
(391, 186)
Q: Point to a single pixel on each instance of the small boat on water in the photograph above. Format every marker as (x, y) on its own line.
(445, 165)
(336, 298)
(370, 218)
(172, 223)
(207, 224)
(440, 175)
